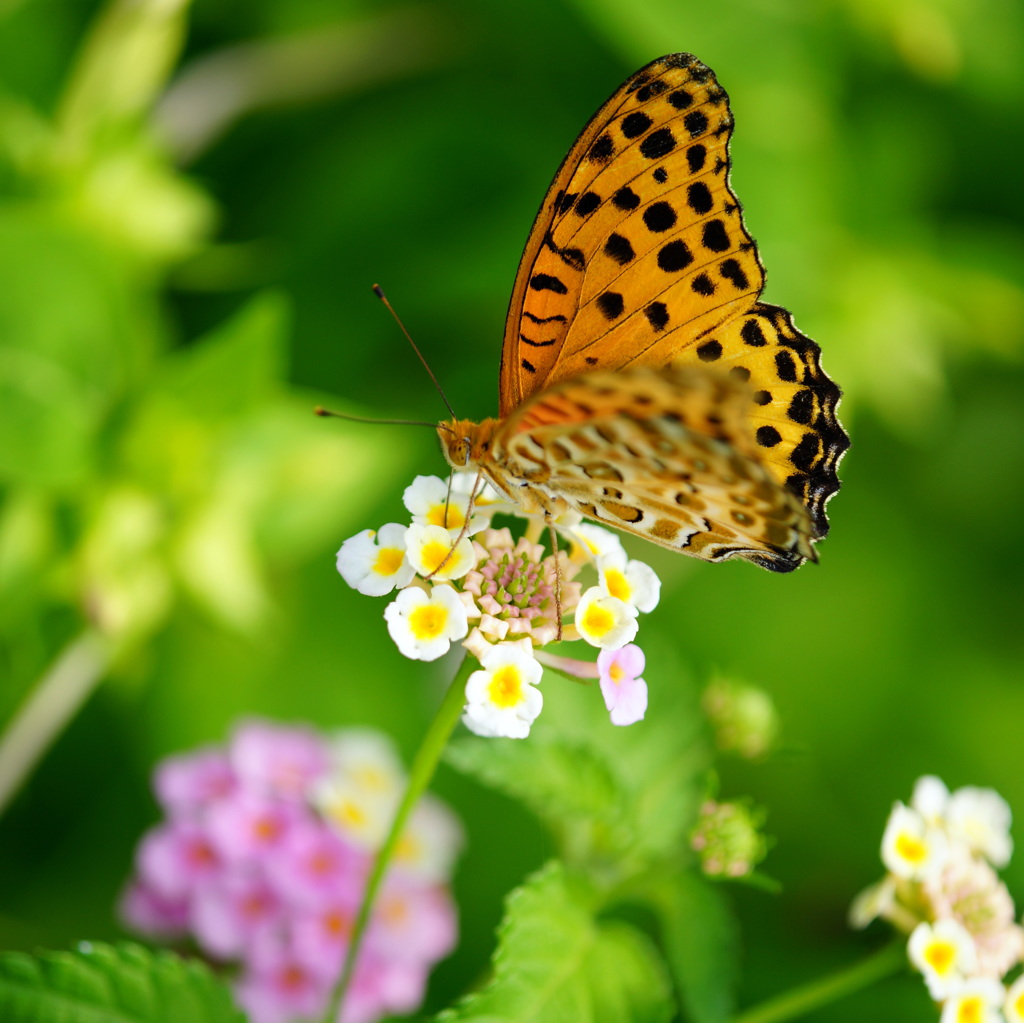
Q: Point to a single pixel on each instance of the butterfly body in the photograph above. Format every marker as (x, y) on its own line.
(643, 384)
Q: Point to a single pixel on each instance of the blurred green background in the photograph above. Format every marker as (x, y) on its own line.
(195, 203)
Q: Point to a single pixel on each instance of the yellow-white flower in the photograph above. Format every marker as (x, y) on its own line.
(487, 498)
(633, 582)
(431, 504)
(431, 552)
(944, 953)
(1013, 1007)
(910, 848)
(978, 1000)
(431, 841)
(361, 815)
(930, 798)
(423, 625)
(605, 621)
(368, 759)
(874, 901)
(375, 563)
(501, 699)
(594, 540)
(981, 819)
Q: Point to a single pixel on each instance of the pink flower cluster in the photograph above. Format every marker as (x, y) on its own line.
(263, 858)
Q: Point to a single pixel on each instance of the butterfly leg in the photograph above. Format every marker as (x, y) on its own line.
(558, 571)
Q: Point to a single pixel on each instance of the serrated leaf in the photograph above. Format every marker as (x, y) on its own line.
(566, 784)
(699, 936)
(556, 962)
(99, 983)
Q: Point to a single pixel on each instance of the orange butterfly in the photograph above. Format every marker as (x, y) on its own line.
(642, 382)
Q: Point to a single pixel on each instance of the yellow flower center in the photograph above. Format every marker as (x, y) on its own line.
(615, 580)
(506, 687)
(598, 621)
(911, 848)
(940, 956)
(389, 560)
(615, 673)
(408, 849)
(972, 1010)
(1019, 1005)
(428, 621)
(348, 813)
(456, 519)
(433, 553)
(370, 777)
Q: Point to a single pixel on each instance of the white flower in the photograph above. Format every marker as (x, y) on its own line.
(594, 540)
(930, 798)
(944, 952)
(368, 759)
(977, 1000)
(605, 621)
(633, 582)
(431, 841)
(1013, 1007)
(874, 901)
(423, 624)
(360, 814)
(486, 496)
(501, 699)
(910, 848)
(430, 503)
(981, 819)
(374, 563)
(431, 553)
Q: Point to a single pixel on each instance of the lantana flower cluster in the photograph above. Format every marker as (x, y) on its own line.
(462, 580)
(263, 858)
(728, 840)
(941, 853)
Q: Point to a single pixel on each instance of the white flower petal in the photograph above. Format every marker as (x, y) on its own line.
(910, 848)
(605, 621)
(431, 552)
(423, 625)
(375, 563)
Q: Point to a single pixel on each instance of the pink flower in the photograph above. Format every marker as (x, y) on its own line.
(279, 987)
(314, 865)
(250, 827)
(412, 921)
(625, 693)
(187, 784)
(150, 913)
(176, 858)
(320, 935)
(382, 987)
(279, 761)
(231, 915)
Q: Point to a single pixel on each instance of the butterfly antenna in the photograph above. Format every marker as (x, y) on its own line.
(321, 411)
(379, 292)
(448, 496)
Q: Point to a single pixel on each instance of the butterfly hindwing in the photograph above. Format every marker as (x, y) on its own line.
(665, 455)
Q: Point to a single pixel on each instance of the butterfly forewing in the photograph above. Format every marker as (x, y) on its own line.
(665, 455)
(639, 258)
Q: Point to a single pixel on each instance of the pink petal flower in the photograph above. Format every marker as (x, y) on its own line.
(625, 693)
(175, 858)
(412, 922)
(250, 827)
(277, 760)
(320, 936)
(278, 988)
(146, 911)
(315, 865)
(187, 784)
(229, 916)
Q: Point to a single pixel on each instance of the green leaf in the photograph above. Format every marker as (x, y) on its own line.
(567, 785)
(110, 984)
(555, 962)
(235, 367)
(699, 936)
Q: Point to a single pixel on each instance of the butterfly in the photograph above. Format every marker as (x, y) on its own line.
(643, 384)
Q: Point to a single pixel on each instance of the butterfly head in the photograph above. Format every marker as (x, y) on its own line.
(464, 442)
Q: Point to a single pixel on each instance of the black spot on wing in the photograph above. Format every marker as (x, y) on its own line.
(674, 256)
(696, 123)
(547, 282)
(695, 157)
(731, 270)
(658, 144)
(657, 315)
(625, 199)
(611, 304)
(635, 124)
(618, 248)
(710, 351)
(659, 217)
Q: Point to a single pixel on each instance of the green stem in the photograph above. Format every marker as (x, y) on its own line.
(423, 768)
(52, 703)
(808, 997)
